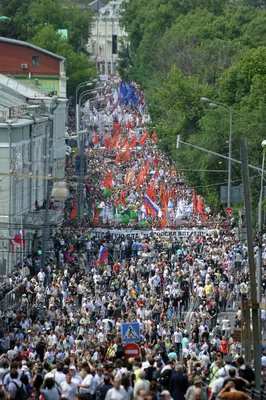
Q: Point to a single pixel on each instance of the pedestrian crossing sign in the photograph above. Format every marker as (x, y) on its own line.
(130, 332)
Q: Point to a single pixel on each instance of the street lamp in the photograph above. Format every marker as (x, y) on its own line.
(215, 104)
(260, 229)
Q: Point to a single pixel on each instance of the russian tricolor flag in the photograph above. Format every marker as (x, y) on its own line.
(152, 207)
(19, 238)
(103, 255)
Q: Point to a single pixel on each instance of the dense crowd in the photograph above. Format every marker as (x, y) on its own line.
(64, 341)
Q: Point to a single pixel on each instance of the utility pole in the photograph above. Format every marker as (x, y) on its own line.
(230, 159)
(252, 267)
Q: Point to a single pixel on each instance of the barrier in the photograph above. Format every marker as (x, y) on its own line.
(11, 299)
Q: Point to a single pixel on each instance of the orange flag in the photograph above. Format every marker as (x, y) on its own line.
(143, 138)
(122, 198)
(194, 197)
(74, 211)
(96, 215)
(124, 156)
(154, 137)
(200, 208)
(163, 220)
(123, 143)
(129, 126)
(141, 178)
(130, 176)
(108, 180)
(172, 171)
(117, 127)
(95, 138)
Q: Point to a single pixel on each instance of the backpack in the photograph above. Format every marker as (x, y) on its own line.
(20, 392)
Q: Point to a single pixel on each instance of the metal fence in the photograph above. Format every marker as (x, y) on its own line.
(256, 394)
(11, 299)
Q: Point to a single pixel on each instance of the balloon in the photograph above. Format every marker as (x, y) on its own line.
(133, 215)
(125, 219)
(107, 192)
(144, 223)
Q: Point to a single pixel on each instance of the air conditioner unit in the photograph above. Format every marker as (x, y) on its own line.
(24, 66)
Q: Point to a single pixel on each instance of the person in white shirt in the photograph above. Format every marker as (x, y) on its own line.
(75, 377)
(86, 386)
(117, 392)
(68, 388)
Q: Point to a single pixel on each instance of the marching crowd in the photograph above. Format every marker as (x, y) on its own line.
(64, 341)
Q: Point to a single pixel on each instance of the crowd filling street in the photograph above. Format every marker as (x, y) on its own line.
(126, 263)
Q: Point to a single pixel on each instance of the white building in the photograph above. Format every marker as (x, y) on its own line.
(106, 36)
(32, 141)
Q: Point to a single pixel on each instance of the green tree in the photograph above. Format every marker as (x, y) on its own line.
(78, 68)
(60, 16)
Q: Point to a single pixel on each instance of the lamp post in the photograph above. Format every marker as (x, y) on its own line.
(260, 229)
(214, 104)
(82, 84)
(81, 154)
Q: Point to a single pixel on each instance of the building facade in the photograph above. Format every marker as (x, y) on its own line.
(32, 65)
(32, 142)
(106, 36)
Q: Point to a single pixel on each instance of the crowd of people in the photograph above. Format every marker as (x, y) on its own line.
(65, 342)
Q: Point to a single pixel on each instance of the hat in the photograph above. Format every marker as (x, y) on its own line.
(228, 358)
(24, 368)
(196, 380)
(73, 367)
(165, 393)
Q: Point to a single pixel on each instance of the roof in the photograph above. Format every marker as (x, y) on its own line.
(21, 88)
(31, 46)
(96, 5)
(11, 104)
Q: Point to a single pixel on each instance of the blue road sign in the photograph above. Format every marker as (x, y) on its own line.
(130, 332)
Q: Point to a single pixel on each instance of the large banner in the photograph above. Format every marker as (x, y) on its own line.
(180, 233)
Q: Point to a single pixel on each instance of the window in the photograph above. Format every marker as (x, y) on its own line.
(114, 44)
(35, 61)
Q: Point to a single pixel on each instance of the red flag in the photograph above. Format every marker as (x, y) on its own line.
(151, 191)
(173, 194)
(122, 198)
(154, 137)
(107, 142)
(156, 174)
(129, 126)
(74, 211)
(108, 180)
(96, 215)
(133, 142)
(143, 138)
(95, 138)
(155, 160)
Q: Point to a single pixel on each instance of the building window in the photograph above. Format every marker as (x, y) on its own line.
(35, 61)
(114, 44)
